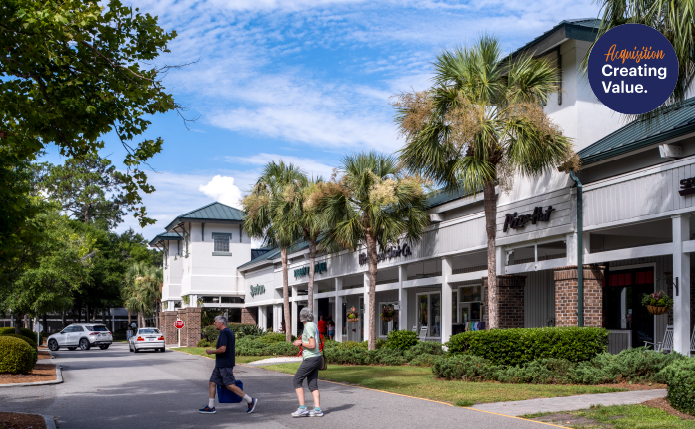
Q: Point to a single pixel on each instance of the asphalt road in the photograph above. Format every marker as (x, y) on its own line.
(117, 389)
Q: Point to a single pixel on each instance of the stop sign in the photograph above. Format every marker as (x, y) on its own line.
(179, 324)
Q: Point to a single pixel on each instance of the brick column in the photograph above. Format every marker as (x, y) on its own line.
(249, 316)
(510, 293)
(566, 295)
(170, 331)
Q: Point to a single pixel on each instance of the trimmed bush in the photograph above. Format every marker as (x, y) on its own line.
(463, 367)
(541, 371)
(401, 339)
(680, 377)
(638, 365)
(16, 356)
(347, 345)
(203, 343)
(511, 347)
(351, 356)
(248, 329)
(29, 341)
(24, 332)
(424, 348)
(423, 360)
(272, 338)
(386, 356)
(211, 333)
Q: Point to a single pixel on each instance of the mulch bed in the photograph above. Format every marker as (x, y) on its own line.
(662, 404)
(21, 421)
(41, 372)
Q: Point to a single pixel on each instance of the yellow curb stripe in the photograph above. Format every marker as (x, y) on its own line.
(424, 399)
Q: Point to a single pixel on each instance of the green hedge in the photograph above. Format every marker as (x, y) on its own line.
(16, 356)
(401, 339)
(680, 377)
(23, 331)
(512, 347)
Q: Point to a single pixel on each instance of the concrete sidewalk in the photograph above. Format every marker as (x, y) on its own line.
(569, 403)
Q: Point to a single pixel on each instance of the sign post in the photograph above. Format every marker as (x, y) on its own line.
(179, 324)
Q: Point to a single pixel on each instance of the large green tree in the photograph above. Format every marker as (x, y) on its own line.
(480, 125)
(372, 204)
(74, 70)
(266, 217)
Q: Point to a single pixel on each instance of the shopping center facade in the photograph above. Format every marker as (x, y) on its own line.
(632, 230)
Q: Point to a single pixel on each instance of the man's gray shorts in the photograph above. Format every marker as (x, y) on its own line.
(222, 376)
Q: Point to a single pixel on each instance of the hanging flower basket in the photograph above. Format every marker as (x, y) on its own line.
(653, 309)
(386, 313)
(354, 320)
(353, 315)
(386, 318)
(657, 303)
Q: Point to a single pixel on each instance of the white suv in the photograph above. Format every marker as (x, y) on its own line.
(82, 335)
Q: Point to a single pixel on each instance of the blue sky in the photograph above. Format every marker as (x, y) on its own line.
(307, 81)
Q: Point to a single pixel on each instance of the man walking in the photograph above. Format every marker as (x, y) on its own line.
(224, 365)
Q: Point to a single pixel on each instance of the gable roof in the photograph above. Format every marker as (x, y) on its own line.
(584, 29)
(165, 236)
(676, 121)
(213, 211)
(275, 253)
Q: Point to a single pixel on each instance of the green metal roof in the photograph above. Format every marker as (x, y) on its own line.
(441, 196)
(674, 122)
(165, 236)
(213, 211)
(275, 253)
(579, 29)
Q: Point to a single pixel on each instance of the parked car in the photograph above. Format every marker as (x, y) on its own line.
(146, 338)
(82, 335)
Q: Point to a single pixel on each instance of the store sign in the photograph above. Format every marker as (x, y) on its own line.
(257, 290)
(319, 267)
(391, 252)
(518, 221)
(687, 187)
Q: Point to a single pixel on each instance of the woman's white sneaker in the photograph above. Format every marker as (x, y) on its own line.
(301, 412)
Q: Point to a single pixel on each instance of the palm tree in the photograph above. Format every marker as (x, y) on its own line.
(263, 208)
(373, 204)
(480, 125)
(674, 19)
(142, 290)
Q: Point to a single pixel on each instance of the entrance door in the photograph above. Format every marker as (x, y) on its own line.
(622, 303)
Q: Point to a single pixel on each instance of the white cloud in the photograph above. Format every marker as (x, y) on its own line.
(223, 190)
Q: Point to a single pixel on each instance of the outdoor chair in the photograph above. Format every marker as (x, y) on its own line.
(692, 342)
(423, 333)
(667, 344)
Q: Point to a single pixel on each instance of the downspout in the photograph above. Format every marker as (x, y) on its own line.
(580, 253)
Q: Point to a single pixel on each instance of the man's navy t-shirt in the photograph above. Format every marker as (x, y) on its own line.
(226, 359)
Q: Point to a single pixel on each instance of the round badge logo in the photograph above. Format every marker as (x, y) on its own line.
(633, 69)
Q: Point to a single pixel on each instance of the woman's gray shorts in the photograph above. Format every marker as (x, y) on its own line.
(309, 369)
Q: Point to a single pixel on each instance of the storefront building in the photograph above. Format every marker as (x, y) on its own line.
(636, 184)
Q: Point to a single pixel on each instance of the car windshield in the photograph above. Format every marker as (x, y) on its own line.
(148, 331)
(97, 328)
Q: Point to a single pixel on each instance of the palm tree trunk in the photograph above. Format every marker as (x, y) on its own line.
(286, 296)
(129, 318)
(491, 230)
(312, 263)
(372, 265)
(86, 313)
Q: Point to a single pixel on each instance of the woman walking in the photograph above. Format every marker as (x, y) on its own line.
(331, 330)
(309, 368)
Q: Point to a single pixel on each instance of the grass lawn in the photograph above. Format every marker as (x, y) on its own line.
(200, 351)
(615, 416)
(419, 382)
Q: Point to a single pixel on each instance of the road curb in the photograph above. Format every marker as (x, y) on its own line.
(50, 423)
(58, 380)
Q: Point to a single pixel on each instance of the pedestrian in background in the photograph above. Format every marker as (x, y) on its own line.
(224, 365)
(331, 330)
(309, 369)
(322, 326)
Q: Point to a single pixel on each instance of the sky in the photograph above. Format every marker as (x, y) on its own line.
(305, 81)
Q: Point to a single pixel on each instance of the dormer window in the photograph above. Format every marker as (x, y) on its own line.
(221, 241)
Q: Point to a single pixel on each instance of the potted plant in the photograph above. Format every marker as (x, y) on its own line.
(387, 313)
(657, 302)
(352, 315)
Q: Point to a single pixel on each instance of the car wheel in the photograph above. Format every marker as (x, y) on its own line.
(71, 348)
(162, 350)
(135, 350)
(130, 348)
(104, 347)
(84, 344)
(53, 346)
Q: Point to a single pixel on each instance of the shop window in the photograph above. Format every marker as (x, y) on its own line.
(211, 299)
(232, 300)
(553, 250)
(387, 326)
(429, 313)
(469, 305)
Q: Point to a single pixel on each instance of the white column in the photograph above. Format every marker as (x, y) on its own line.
(294, 315)
(113, 320)
(571, 248)
(262, 317)
(365, 318)
(403, 297)
(681, 273)
(338, 313)
(501, 257)
(447, 299)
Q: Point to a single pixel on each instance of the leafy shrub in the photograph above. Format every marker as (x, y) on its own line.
(511, 347)
(541, 371)
(346, 345)
(248, 329)
(28, 333)
(29, 341)
(386, 356)
(423, 360)
(466, 367)
(238, 328)
(282, 349)
(424, 348)
(272, 338)
(401, 339)
(203, 343)
(350, 356)
(680, 377)
(211, 333)
(330, 344)
(637, 364)
(16, 356)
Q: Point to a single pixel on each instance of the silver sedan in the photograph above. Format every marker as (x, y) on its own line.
(146, 338)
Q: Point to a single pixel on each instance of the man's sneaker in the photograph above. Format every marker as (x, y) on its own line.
(315, 413)
(207, 410)
(252, 405)
(301, 412)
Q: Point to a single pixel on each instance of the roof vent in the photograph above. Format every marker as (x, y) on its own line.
(670, 151)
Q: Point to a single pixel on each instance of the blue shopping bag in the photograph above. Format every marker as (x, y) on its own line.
(226, 396)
